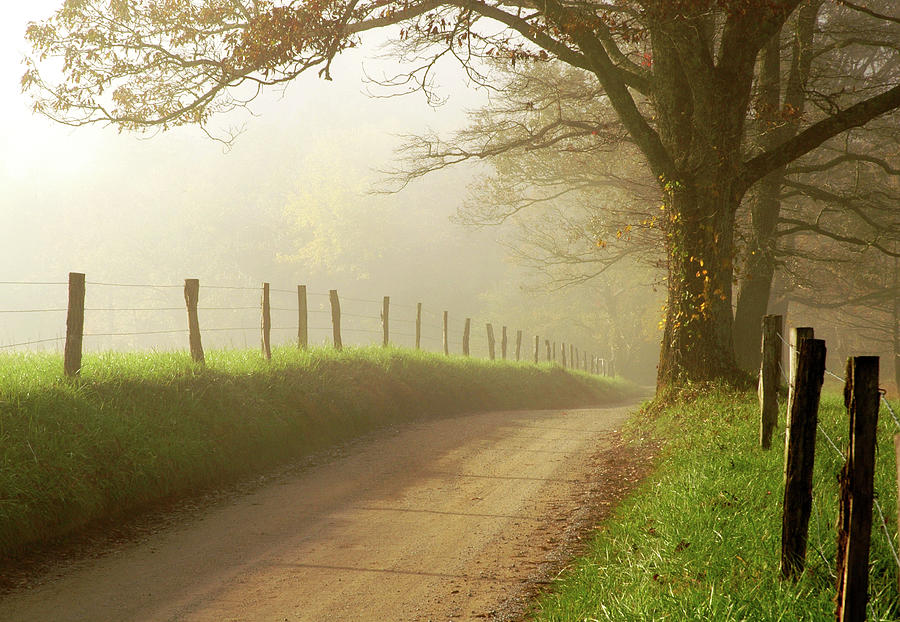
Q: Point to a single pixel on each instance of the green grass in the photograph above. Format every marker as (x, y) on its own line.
(140, 428)
(701, 538)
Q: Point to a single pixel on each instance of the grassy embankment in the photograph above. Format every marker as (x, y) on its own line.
(701, 538)
(139, 428)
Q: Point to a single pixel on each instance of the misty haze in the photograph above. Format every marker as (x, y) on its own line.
(327, 310)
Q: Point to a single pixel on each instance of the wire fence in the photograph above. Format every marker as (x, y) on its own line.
(150, 316)
(841, 454)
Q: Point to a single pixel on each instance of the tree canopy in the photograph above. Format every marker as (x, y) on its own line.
(678, 75)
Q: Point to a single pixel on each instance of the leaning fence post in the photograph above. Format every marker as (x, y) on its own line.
(768, 378)
(191, 297)
(302, 318)
(857, 489)
(801, 452)
(266, 323)
(445, 337)
(798, 335)
(418, 325)
(503, 342)
(518, 345)
(336, 318)
(74, 325)
(385, 315)
(490, 337)
(466, 333)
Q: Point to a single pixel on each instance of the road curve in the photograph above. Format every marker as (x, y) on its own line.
(439, 520)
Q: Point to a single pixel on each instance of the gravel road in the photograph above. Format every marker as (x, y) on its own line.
(447, 519)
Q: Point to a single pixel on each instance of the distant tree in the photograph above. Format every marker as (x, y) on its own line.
(678, 74)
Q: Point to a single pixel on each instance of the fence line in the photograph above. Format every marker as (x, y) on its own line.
(437, 328)
(794, 348)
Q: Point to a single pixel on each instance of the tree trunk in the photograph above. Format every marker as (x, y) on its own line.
(759, 271)
(697, 340)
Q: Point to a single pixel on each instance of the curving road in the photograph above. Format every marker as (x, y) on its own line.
(439, 520)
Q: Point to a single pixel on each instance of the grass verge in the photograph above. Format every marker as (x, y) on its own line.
(140, 428)
(701, 537)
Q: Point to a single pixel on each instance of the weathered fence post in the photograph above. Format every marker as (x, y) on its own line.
(549, 353)
(564, 355)
(554, 351)
(490, 336)
(418, 325)
(385, 320)
(576, 357)
(518, 345)
(266, 323)
(503, 342)
(768, 378)
(857, 489)
(445, 336)
(798, 335)
(302, 318)
(336, 319)
(572, 360)
(74, 325)
(801, 453)
(466, 333)
(537, 347)
(585, 365)
(191, 298)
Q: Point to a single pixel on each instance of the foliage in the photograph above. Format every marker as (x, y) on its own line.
(677, 75)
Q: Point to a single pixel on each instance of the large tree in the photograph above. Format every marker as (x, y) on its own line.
(678, 74)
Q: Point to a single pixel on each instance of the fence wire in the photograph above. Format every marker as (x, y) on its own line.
(888, 537)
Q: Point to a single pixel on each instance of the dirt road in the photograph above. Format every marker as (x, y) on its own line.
(440, 520)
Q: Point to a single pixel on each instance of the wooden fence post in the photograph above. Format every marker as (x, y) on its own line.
(572, 359)
(576, 357)
(191, 298)
(857, 489)
(336, 319)
(564, 355)
(518, 345)
(585, 365)
(767, 388)
(266, 323)
(490, 336)
(537, 347)
(445, 338)
(302, 318)
(554, 351)
(385, 320)
(74, 325)
(466, 333)
(503, 342)
(801, 453)
(418, 325)
(798, 335)
(549, 353)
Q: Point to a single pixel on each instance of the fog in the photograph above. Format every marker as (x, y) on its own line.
(290, 202)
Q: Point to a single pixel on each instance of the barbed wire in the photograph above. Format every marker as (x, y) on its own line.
(31, 310)
(33, 283)
(840, 453)
(29, 343)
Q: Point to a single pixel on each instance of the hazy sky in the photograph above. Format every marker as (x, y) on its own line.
(87, 176)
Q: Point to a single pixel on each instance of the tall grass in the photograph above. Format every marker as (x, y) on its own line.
(138, 428)
(701, 539)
